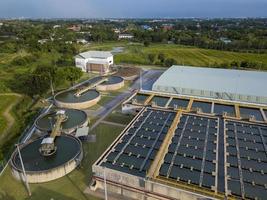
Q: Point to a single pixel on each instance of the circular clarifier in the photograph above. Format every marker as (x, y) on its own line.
(75, 119)
(68, 99)
(112, 83)
(41, 168)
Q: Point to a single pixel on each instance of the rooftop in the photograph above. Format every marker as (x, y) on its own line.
(202, 150)
(216, 80)
(95, 54)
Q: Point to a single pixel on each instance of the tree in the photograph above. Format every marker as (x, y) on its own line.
(151, 58)
(169, 62)
(234, 64)
(72, 74)
(161, 57)
(146, 43)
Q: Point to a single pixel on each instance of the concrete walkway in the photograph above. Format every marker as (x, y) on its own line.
(113, 123)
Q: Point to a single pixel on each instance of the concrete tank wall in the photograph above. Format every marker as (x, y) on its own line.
(65, 131)
(82, 105)
(110, 87)
(49, 175)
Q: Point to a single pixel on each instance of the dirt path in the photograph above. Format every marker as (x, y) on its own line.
(9, 118)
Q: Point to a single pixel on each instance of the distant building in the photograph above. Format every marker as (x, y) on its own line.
(82, 41)
(125, 36)
(147, 27)
(116, 30)
(43, 41)
(167, 27)
(75, 28)
(68, 42)
(225, 40)
(226, 84)
(56, 26)
(94, 61)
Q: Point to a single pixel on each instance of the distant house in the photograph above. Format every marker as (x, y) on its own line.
(75, 28)
(225, 40)
(125, 36)
(116, 30)
(167, 27)
(147, 27)
(94, 61)
(56, 26)
(82, 41)
(43, 41)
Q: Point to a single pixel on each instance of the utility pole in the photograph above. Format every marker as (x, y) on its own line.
(140, 79)
(24, 173)
(51, 85)
(105, 183)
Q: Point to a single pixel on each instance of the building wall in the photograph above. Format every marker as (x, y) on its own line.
(140, 188)
(236, 85)
(210, 94)
(81, 63)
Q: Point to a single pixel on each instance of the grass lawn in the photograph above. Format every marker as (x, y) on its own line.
(5, 101)
(106, 46)
(117, 117)
(69, 187)
(104, 99)
(138, 54)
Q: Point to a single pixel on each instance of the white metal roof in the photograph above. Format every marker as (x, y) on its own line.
(242, 82)
(96, 54)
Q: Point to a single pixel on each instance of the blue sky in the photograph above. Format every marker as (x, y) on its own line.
(132, 8)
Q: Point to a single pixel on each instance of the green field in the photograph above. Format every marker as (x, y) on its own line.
(69, 187)
(117, 117)
(192, 56)
(8, 70)
(5, 101)
(136, 53)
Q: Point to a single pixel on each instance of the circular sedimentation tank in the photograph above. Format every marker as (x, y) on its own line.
(68, 99)
(75, 119)
(39, 168)
(112, 83)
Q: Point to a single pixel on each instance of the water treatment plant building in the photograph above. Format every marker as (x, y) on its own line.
(94, 61)
(187, 147)
(235, 85)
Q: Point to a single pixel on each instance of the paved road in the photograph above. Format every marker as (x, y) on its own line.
(148, 78)
(113, 123)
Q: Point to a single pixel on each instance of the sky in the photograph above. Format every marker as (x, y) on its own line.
(132, 8)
